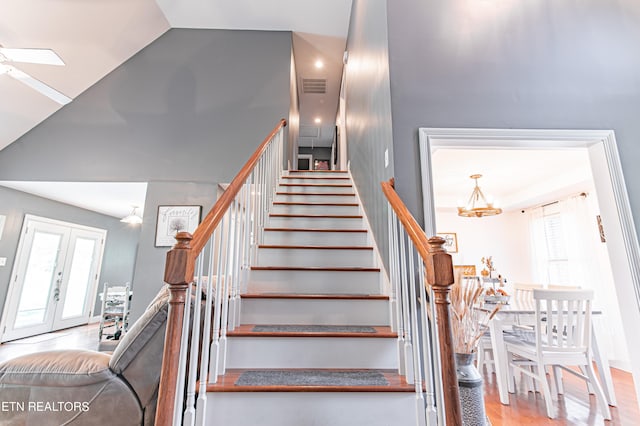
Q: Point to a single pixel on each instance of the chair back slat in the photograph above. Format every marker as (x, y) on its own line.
(563, 319)
(523, 294)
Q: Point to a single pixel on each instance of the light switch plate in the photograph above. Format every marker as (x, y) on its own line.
(3, 261)
(386, 158)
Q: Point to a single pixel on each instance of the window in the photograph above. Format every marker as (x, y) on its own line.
(557, 258)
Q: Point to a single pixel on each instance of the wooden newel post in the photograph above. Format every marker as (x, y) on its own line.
(178, 273)
(439, 269)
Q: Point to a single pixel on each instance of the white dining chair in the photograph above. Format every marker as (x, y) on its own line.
(562, 339)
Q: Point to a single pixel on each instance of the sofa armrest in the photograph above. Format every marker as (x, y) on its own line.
(62, 368)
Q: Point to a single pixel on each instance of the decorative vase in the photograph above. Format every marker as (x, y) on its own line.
(471, 388)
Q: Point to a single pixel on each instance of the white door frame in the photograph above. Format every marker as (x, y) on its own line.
(610, 186)
(12, 293)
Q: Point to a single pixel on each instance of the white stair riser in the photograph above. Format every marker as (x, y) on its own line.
(314, 282)
(314, 311)
(316, 189)
(311, 408)
(315, 257)
(316, 222)
(314, 209)
(321, 180)
(318, 198)
(312, 352)
(298, 238)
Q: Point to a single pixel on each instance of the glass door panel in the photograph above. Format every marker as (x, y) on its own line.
(39, 279)
(79, 278)
(79, 282)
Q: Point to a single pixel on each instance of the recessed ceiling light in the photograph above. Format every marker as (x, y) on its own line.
(317, 120)
(319, 63)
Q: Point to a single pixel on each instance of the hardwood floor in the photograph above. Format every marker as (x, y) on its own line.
(83, 337)
(575, 408)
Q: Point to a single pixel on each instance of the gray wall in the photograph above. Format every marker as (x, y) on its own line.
(543, 64)
(368, 109)
(191, 107)
(149, 271)
(120, 246)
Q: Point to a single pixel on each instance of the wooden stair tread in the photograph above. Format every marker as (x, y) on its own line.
(278, 246)
(340, 296)
(315, 194)
(317, 216)
(315, 268)
(227, 383)
(317, 177)
(249, 330)
(318, 171)
(307, 203)
(312, 230)
(321, 185)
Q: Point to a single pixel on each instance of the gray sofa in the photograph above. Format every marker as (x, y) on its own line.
(79, 387)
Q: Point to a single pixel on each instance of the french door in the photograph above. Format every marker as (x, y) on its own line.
(54, 279)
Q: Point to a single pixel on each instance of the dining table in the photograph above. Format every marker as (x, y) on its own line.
(511, 314)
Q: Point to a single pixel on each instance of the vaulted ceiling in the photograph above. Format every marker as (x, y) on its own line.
(95, 37)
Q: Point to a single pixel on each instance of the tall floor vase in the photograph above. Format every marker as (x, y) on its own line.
(471, 391)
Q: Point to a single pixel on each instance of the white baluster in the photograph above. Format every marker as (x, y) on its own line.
(231, 274)
(177, 407)
(417, 364)
(201, 403)
(406, 308)
(394, 263)
(224, 323)
(429, 373)
(214, 364)
(190, 409)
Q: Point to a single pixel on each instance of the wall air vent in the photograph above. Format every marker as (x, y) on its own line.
(314, 85)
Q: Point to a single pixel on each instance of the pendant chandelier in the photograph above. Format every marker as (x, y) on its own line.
(477, 206)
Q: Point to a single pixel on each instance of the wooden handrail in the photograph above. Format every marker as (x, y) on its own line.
(213, 218)
(179, 273)
(439, 275)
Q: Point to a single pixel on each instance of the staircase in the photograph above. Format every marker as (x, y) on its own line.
(315, 344)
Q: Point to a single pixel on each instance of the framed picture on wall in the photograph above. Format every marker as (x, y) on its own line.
(450, 241)
(174, 219)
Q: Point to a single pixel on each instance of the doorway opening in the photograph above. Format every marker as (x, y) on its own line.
(54, 278)
(600, 146)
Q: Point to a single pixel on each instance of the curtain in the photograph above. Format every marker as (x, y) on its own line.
(539, 254)
(588, 264)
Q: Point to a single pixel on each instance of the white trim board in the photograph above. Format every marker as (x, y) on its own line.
(610, 186)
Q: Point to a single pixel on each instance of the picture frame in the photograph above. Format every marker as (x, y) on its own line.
(451, 241)
(174, 219)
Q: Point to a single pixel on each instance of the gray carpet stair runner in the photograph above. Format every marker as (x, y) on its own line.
(313, 329)
(311, 378)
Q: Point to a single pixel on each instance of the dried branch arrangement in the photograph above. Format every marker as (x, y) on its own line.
(470, 318)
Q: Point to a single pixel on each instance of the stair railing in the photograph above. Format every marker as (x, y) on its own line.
(422, 315)
(206, 272)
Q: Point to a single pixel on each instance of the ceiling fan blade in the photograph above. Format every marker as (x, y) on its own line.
(34, 56)
(37, 85)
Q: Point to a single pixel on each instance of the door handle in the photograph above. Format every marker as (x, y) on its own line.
(56, 291)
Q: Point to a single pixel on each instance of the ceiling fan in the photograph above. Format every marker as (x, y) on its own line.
(32, 56)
